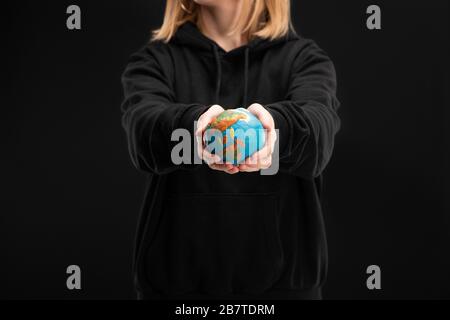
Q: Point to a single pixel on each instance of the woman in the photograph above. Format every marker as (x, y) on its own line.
(217, 230)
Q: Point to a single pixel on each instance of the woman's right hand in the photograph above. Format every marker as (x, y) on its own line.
(213, 161)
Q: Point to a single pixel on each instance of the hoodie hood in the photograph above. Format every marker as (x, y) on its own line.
(190, 36)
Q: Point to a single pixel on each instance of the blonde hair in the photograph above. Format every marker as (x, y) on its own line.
(267, 19)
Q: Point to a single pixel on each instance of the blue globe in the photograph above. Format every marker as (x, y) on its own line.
(234, 135)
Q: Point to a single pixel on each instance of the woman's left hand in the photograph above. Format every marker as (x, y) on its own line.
(263, 158)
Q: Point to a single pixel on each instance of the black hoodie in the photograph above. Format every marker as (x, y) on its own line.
(204, 233)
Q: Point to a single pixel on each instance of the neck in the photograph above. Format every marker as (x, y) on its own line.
(216, 22)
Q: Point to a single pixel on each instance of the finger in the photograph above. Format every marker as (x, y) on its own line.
(263, 163)
(210, 115)
(206, 119)
(202, 123)
(256, 109)
(215, 110)
(262, 114)
(226, 167)
(233, 170)
(247, 168)
(256, 158)
(221, 167)
(272, 137)
(265, 152)
(201, 126)
(268, 148)
(199, 143)
(210, 158)
(267, 122)
(199, 131)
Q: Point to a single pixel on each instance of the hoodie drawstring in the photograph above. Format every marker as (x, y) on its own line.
(219, 74)
(247, 51)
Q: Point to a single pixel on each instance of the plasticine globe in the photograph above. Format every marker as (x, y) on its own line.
(234, 135)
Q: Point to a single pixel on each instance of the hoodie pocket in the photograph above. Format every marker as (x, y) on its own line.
(219, 243)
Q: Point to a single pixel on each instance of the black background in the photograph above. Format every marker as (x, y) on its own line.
(71, 195)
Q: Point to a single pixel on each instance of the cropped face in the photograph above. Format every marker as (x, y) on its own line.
(213, 3)
(252, 16)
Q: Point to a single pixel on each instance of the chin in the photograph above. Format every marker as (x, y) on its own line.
(210, 3)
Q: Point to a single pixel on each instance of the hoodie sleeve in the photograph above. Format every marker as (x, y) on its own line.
(151, 114)
(307, 120)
